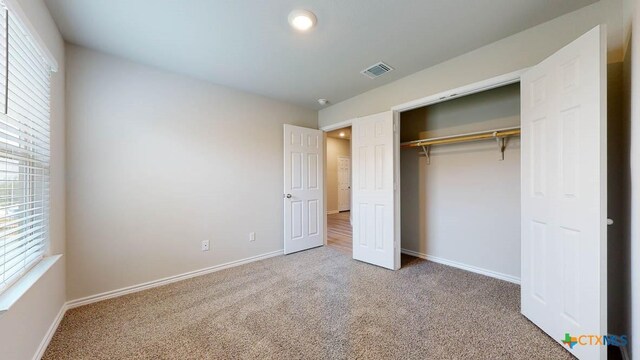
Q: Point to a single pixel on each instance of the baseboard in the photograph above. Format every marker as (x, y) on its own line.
(168, 280)
(477, 270)
(624, 352)
(135, 288)
(329, 212)
(49, 335)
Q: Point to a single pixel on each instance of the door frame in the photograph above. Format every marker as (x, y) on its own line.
(326, 129)
(476, 87)
(480, 86)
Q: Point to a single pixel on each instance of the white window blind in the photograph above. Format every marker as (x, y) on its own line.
(24, 150)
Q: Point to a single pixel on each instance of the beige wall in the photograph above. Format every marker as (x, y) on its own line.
(513, 53)
(24, 326)
(335, 148)
(464, 207)
(158, 162)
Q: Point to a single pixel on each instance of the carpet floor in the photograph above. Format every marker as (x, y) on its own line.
(316, 304)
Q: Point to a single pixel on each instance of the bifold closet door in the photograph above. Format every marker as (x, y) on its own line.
(373, 191)
(564, 198)
(303, 188)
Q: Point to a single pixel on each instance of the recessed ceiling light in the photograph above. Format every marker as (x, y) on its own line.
(341, 134)
(302, 20)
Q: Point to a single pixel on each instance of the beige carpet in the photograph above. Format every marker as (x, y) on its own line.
(317, 304)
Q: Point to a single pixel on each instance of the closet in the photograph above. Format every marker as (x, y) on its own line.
(444, 178)
(460, 193)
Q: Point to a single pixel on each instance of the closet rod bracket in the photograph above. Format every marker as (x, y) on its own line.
(502, 144)
(427, 152)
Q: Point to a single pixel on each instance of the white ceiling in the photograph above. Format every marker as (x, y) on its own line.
(248, 44)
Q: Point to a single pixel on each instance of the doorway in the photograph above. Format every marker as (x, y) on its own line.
(338, 175)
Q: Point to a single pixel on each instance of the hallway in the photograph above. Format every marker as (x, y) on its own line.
(339, 235)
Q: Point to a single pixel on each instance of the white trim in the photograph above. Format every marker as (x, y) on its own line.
(168, 280)
(484, 85)
(49, 335)
(474, 269)
(15, 8)
(330, 212)
(397, 203)
(135, 288)
(13, 293)
(336, 126)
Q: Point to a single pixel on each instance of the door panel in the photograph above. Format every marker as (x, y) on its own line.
(564, 193)
(303, 188)
(344, 183)
(373, 193)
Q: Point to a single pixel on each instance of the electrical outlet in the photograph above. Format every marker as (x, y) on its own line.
(252, 236)
(205, 245)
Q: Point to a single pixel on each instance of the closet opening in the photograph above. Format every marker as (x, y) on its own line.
(460, 182)
(338, 189)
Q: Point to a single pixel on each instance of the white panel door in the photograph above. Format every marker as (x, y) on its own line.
(564, 172)
(344, 183)
(303, 188)
(373, 191)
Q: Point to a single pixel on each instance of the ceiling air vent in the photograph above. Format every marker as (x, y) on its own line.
(376, 70)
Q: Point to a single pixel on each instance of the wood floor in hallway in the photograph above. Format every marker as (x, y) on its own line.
(339, 234)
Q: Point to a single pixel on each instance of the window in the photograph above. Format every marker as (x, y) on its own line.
(24, 149)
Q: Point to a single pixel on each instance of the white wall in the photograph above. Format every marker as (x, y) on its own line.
(24, 326)
(464, 207)
(158, 162)
(335, 148)
(513, 53)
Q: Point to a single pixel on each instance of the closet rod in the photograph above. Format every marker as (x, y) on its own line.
(491, 134)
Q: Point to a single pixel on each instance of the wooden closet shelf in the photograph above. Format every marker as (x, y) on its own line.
(483, 135)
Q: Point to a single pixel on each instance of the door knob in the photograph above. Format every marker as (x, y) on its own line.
(288, 196)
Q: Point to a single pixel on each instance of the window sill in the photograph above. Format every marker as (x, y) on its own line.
(11, 295)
